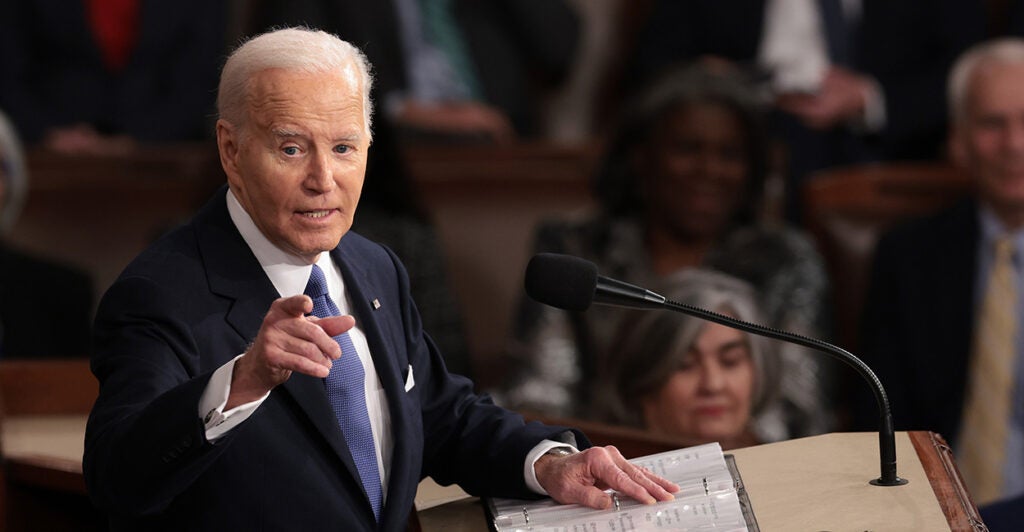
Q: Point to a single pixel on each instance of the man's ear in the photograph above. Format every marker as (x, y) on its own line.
(228, 147)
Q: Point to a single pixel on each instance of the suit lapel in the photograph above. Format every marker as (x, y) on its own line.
(373, 311)
(244, 282)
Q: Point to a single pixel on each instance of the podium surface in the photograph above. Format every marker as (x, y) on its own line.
(821, 483)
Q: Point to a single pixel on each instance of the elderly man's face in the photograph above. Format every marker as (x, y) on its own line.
(989, 141)
(297, 165)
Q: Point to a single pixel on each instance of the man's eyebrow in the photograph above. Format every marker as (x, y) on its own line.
(351, 137)
(285, 132)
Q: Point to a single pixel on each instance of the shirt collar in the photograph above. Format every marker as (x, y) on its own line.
(288, 273)
(993, 229)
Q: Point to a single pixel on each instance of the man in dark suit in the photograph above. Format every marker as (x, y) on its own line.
(931, 282)
(30, 284)
(217, 396)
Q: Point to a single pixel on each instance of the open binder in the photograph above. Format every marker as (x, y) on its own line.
(711, 497)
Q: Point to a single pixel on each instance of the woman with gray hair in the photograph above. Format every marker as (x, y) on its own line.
(29, 285)
(689, 378)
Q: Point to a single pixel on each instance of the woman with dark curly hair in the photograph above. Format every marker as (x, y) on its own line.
(680, 187)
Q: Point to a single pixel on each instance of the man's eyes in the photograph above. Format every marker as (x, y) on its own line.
(294, 150)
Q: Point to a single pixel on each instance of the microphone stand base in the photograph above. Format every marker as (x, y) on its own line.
(895, 482)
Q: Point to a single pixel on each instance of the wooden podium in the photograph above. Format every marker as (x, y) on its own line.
(821, 483)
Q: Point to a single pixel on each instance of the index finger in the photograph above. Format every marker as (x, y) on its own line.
(293, 306)
(335, 325)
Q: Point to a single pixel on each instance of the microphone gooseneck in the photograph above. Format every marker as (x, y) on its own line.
(572, 283)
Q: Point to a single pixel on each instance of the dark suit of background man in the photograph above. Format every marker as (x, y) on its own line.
(213, 412)
(926, 311)
(29, 284)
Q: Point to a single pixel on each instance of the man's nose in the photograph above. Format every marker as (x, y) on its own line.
(320, 173)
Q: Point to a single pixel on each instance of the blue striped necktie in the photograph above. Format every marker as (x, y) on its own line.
(346, 392)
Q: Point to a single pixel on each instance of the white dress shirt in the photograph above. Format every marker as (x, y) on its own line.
(289, 275)
(794, 49)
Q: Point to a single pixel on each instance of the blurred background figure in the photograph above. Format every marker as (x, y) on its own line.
(942, 317)
(96, 76)
(450, 69)
(688, 378)
(852, 80)
(391, 212)
(680, 187)
(45, 307)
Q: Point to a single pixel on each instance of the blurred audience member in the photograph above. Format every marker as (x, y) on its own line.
(575, 111)
(390, 213)
(943, 313)
(679, 188)
(854, 80)
(450, 69)
(96, 76)
(689, 378)
(45, 307)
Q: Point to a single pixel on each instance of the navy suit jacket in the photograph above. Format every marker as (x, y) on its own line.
(918, 319)
(196, 299)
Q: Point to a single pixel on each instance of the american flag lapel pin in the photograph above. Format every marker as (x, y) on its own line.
(376, 303)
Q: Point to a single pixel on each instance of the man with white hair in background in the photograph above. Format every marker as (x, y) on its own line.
(943, 316)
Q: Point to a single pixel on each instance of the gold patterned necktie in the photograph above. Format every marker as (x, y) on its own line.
(989, 402)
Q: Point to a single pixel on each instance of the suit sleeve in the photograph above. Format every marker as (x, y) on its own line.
(467, 438)
(144, 443)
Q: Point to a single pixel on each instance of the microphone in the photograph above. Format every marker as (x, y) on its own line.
(572, 283)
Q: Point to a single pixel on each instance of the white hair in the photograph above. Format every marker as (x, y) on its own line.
(14, 175)
(999, 51)
(300, 49)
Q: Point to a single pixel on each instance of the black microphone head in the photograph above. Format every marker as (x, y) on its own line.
(562, 281)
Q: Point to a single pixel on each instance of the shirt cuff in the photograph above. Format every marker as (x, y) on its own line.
(531, 458)
(215, 397)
